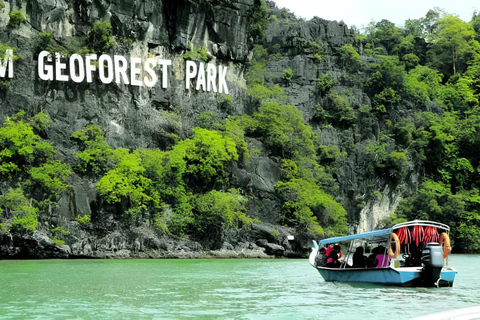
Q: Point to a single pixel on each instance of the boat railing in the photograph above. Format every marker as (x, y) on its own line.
(422, 223)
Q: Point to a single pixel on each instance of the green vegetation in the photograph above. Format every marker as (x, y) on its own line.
(83, 219)
(17, 17)
(196, 54)
(142, 183)
(58, 235)
(287, 76)
(423, 88)
(318, 51)
(16, 205)
(28, 166)
(401, 104)
(307, 207)
(215, 212)
(348, 57)
(259, 19)
(325, 82)
(100, 39)
(44, 41)
(395, 109)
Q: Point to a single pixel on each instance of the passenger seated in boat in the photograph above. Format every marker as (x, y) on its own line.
(321, 258)
(341, 256)
(381, 259)
(358, 258)
(329, 248)
(332, 259)
(371, 261)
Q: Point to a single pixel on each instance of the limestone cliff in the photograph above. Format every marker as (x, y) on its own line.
(150, 117)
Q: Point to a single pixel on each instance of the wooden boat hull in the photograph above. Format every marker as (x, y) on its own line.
(386, 276)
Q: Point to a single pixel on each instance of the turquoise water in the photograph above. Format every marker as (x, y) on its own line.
(213, 289)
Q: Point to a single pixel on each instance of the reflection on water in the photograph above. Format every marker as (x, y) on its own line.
(206, 289)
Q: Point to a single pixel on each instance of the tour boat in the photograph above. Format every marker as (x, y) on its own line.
(413, 253)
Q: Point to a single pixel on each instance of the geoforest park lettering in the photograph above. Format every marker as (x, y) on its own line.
(7, 63)
(117, 69)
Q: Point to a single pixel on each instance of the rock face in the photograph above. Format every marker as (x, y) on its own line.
(132, 116)
(139, 116)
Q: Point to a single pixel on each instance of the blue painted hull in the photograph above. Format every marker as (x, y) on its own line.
(386, 276)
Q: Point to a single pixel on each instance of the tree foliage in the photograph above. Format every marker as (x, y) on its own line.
(307, 207)
(35, 180)
(217, 211)
(100, 38)
(283, 130)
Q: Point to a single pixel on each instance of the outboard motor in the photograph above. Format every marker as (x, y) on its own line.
(432, 261)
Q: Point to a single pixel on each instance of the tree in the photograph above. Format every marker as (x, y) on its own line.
(21, 148)
(450, 46)
(100, 38)
(387, 34)
(349, 57)
(411, 60)
(215, 212)
(258, 19)
(283, 130)
(50, 178)
(126, 185)
(309, 208)
(325, 82)
(435, 201)
(340, 111)
(388, 73)
(206, 156)
(17, 17)
(15, 204)
(96, 156)
(423, 86)
(457, 94)
(287, 76)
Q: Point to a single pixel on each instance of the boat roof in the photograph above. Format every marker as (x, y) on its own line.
(384, 234)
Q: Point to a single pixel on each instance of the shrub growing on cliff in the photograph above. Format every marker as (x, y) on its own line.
(83, 219)
(96, 156)
(58, 235)
(340, 111)
(283, 131)
(318, 51)
(100, 38)
(127, 186)
(205, 157)
(21, 148)
(258, 19)
(216, 212)
(325, 82)
(349, 57)
(310, 209)
(50, 178)
(44, 41)
(16, 205)
(287, 76)
(17, 17)
(196, 54)
(28, 161)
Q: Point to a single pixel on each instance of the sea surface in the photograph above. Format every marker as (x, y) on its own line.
(214, 289)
